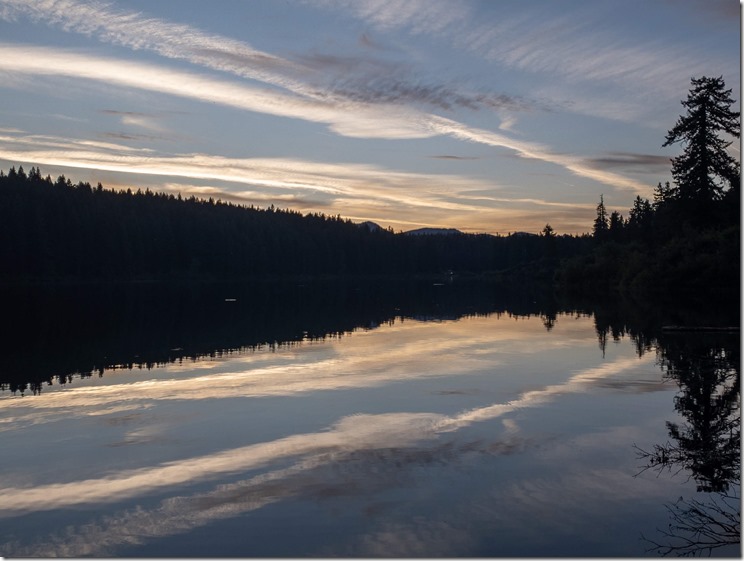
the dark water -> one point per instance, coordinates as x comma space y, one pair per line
364, 419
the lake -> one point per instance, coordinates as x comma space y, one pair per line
432, 418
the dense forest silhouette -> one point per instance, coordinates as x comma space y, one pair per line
687, 241
684, 243
59, 231
56, 231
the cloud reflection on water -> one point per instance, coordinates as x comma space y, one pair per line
360, 453
408, 350
354, 432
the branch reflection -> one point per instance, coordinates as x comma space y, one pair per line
706, 447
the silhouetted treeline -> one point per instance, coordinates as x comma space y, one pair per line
55, 230
687, 241
60, 231
661, 249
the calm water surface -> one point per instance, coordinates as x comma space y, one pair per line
439, 434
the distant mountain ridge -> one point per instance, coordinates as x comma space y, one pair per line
432, 232
374, 227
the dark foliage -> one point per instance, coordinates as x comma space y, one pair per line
705, 169
686, 243
57, 231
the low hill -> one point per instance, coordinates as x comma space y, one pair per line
432, 232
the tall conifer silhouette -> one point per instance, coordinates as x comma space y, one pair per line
705, 169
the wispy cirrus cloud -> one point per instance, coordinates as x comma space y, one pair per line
651, 70
311, 76
573, 48
131, 136
301, 184
18, 141
574, 164
347, 119
353, 96
131, 29
368, 80
359, 191
419, 16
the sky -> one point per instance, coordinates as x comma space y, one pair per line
486, 116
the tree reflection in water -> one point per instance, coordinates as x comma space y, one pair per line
707, 446
62, 333
125, 326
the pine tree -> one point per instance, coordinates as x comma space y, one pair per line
662, 194
617, 225
548, 231
601, 223
640, 217
704, 169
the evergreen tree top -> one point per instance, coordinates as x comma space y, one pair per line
705, 168
708, 108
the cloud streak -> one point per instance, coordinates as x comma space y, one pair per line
570, 48
360, 191
418, 16
367, 105
351, 78
130, 29
644, 163
372, 81
359, 120
354, 96
529, 150
354, 121
336, 180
